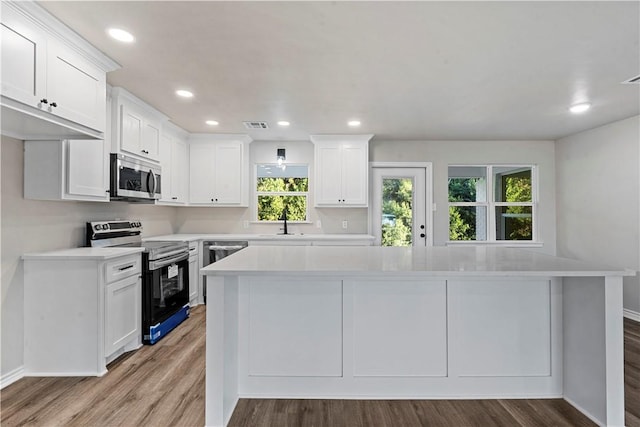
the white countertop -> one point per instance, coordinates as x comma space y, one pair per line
83, 254
425, 261
261, 237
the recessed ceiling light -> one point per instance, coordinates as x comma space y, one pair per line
283, 123
353, 123
184, 93
580, 108
212, 123
121, 35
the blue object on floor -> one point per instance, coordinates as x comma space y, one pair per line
158, 331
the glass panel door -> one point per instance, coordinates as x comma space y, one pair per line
398, 207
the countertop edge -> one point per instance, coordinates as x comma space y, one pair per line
77, 254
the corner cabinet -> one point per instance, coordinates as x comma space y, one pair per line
174, 159
219, 170
66, 170
136, 127
53, 82
341, 170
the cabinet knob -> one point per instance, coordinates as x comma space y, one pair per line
107, 191
422, 234
145, 151
53, 104
44, 101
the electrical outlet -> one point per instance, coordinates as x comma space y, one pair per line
345, 224
245, 224
318, 224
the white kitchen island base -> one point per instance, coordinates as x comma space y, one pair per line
401, 323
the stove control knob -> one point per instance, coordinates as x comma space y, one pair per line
97, 227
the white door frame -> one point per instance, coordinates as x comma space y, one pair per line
428, 185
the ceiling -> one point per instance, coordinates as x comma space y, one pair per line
406, 70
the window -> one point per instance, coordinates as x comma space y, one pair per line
492, 203
280, 186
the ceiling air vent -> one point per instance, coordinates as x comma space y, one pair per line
632, 80
256, 125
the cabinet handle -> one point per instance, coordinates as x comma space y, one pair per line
53, 104
145, 151
44, 101
126, 268
174, 198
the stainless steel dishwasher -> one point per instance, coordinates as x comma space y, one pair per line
215, 250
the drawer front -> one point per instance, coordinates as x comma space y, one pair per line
122, 267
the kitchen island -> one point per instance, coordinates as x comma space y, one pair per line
413, 323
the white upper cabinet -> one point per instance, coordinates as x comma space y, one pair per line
24, 55
53, 82
341, 170
136, 126
76, 89
174, 160
218, 170
66, 170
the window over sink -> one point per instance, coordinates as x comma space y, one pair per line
280, 186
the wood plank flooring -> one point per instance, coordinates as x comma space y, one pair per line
163, 385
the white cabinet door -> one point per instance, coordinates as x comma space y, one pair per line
167, 168
216, 173
341, 171
131, 124
150, 141
76, 90
328, 175
88, 169
179, 170
201, 175
137, 127
193, 280
23, 59
228, 173
354, 174
122, 313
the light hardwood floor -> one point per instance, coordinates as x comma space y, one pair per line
163, 385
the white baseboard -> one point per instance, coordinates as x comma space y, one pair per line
11, 377
630, 314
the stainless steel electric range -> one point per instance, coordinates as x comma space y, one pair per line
165, 275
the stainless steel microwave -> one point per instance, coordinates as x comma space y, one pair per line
134, 180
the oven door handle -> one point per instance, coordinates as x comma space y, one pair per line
154, 265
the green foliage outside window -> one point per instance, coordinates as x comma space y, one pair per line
397, 196
271, 206
462, 219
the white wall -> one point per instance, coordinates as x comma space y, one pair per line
32, 226
598, 199
444, 153
230, 220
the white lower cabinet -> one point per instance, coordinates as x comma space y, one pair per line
122, 313
79, 314
194, 273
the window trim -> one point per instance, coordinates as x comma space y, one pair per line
490, 204
257, 194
